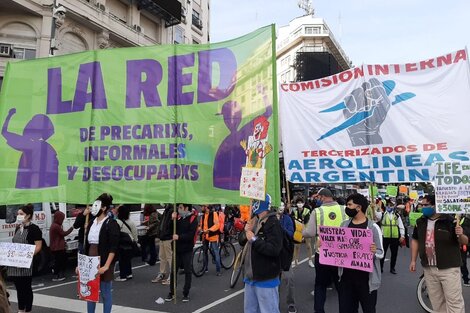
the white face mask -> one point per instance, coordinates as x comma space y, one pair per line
96, 207
20, 218
300, 205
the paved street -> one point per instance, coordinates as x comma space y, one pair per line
212, 294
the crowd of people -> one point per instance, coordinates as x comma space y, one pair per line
438, 239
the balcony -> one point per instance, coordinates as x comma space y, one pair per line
169, 10
197, 22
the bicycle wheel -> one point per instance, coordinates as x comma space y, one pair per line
198, 267
237, 270
423, 297
227, 255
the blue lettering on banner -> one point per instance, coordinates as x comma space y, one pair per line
397, 168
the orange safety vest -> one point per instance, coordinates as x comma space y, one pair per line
213, 234
245, 211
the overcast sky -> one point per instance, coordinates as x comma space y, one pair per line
369, 31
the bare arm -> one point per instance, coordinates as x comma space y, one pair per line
414, 254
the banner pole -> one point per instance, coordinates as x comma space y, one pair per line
174, 253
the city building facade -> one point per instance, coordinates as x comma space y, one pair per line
40, 28
306, 49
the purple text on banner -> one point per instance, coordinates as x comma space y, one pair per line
346, 247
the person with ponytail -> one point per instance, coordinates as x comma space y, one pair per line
102, 239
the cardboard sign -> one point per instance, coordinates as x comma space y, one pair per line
392, 191
346, 247
413, 217
413, 194
253, 183
403, 189
364, 192
16, 254
88, 278
452, 187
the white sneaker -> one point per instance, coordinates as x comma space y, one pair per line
311, 263
120, 279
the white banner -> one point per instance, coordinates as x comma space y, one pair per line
16, 254
377, 123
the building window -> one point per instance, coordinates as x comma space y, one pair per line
312, 30
195, 42
24, 54
196, 19
179, 35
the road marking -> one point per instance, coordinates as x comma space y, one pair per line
73, 305
221, 300
75, 281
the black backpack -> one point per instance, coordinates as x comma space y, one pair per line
287, 251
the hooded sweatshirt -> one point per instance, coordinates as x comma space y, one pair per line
57, 233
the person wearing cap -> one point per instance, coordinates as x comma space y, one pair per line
330, 213
262, 241
287, 277
301, 214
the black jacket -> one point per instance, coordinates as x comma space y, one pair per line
108, 239
166, 225
80, 223
265, 250
447, 246
186, 230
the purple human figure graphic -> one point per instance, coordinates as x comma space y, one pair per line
231, 157
38, 166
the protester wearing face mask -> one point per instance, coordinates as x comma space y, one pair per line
393, 232
357, 286
25, 233
437, 239
330, 213
465, 223
301, 213
102, 239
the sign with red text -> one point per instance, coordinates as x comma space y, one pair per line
346, 247
253, 183
88, 278
383, 123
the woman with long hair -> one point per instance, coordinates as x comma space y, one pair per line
25, 233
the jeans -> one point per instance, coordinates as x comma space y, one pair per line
288, 278
182, 259
261, 300
24, 292
125, 263
214, 247
106, 295
324, 276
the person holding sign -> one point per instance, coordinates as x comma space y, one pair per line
102, 240
25, 233
437, 239
356, 286
393, 232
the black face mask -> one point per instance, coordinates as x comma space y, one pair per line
350, 212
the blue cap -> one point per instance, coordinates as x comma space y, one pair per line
261, 206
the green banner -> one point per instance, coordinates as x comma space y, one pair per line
172, 123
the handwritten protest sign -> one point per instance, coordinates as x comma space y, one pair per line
88, 278
392, 191
413, 217
413, 194
346, 247
364, 192
16, 254
253, 183
452, 187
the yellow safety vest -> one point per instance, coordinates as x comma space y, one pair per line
390, 227
330, 215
